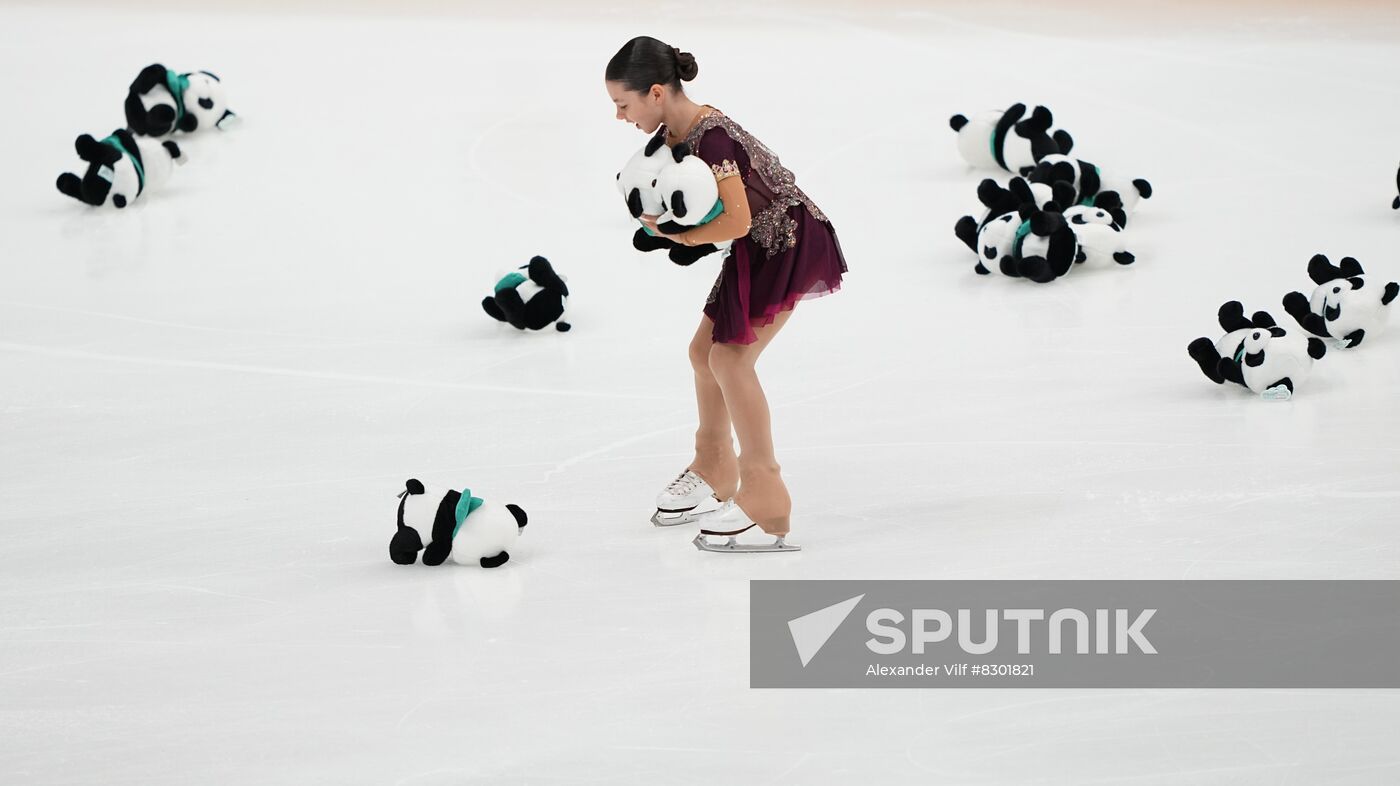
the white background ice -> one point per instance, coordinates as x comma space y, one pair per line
210, 399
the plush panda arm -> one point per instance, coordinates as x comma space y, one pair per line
732, 224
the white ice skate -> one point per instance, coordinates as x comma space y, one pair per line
684, 500
729, 522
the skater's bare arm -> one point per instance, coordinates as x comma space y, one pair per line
732, 224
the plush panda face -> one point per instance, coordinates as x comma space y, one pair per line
1081, 215
637, 180
205, 100
975, 137
996, 239
688, 190
1328, 300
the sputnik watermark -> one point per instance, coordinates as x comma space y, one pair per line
1074, 634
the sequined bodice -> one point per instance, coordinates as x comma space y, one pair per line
771, 226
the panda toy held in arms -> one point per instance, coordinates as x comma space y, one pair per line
690, 198
1344, 307
161, 101
457, 526
1256, 354
637, 182
120, 168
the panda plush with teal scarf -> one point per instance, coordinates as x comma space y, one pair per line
120, 168
689, 197
531, 297
161, 102
449, 524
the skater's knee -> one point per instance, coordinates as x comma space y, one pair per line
728, 361
700, 355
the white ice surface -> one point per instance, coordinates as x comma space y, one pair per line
210, 399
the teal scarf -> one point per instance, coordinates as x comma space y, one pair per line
711, 216
510, 281
113, 141
465, 506
1021, 232
177, 84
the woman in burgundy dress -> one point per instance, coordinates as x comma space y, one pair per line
784, 250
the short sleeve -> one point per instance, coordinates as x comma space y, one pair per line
725, 156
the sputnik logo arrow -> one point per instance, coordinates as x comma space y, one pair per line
810, 632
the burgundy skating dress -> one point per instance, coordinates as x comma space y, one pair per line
791, 252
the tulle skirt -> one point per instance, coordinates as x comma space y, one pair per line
753, 289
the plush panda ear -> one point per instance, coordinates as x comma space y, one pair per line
413, 486
989, 192
957, 122
654, 144
1021, 190
679, 152
1321, 270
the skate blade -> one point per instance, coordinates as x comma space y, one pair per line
731, 546
666, 518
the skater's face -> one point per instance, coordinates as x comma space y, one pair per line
643, 110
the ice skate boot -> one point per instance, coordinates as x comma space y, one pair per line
684, 500
728, 523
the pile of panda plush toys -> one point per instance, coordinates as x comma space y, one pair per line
676, 186
1055, 212
1256, 353
130, 161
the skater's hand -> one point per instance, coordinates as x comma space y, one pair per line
650, 222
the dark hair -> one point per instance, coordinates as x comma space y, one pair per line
645, 61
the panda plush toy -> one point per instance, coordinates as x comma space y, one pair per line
1345, 306
1256, 353
161, 102
637, 183
1026, 240
999, 201
1091, 186
1101, 238
532, 299
689, 198
120, 168
1013, 139
447, 524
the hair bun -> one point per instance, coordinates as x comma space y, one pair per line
686, 67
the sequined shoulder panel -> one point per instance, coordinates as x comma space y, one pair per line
771, 228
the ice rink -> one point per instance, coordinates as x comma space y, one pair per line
211, 398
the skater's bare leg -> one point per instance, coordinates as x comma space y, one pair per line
715, 461
762, 493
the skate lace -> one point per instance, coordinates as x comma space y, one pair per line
684, 484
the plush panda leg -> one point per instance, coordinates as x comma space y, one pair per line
496, 561
1281, 390
543, 309
492, 310
510, 304
1230, 370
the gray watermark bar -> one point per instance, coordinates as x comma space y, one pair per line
1074, 634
